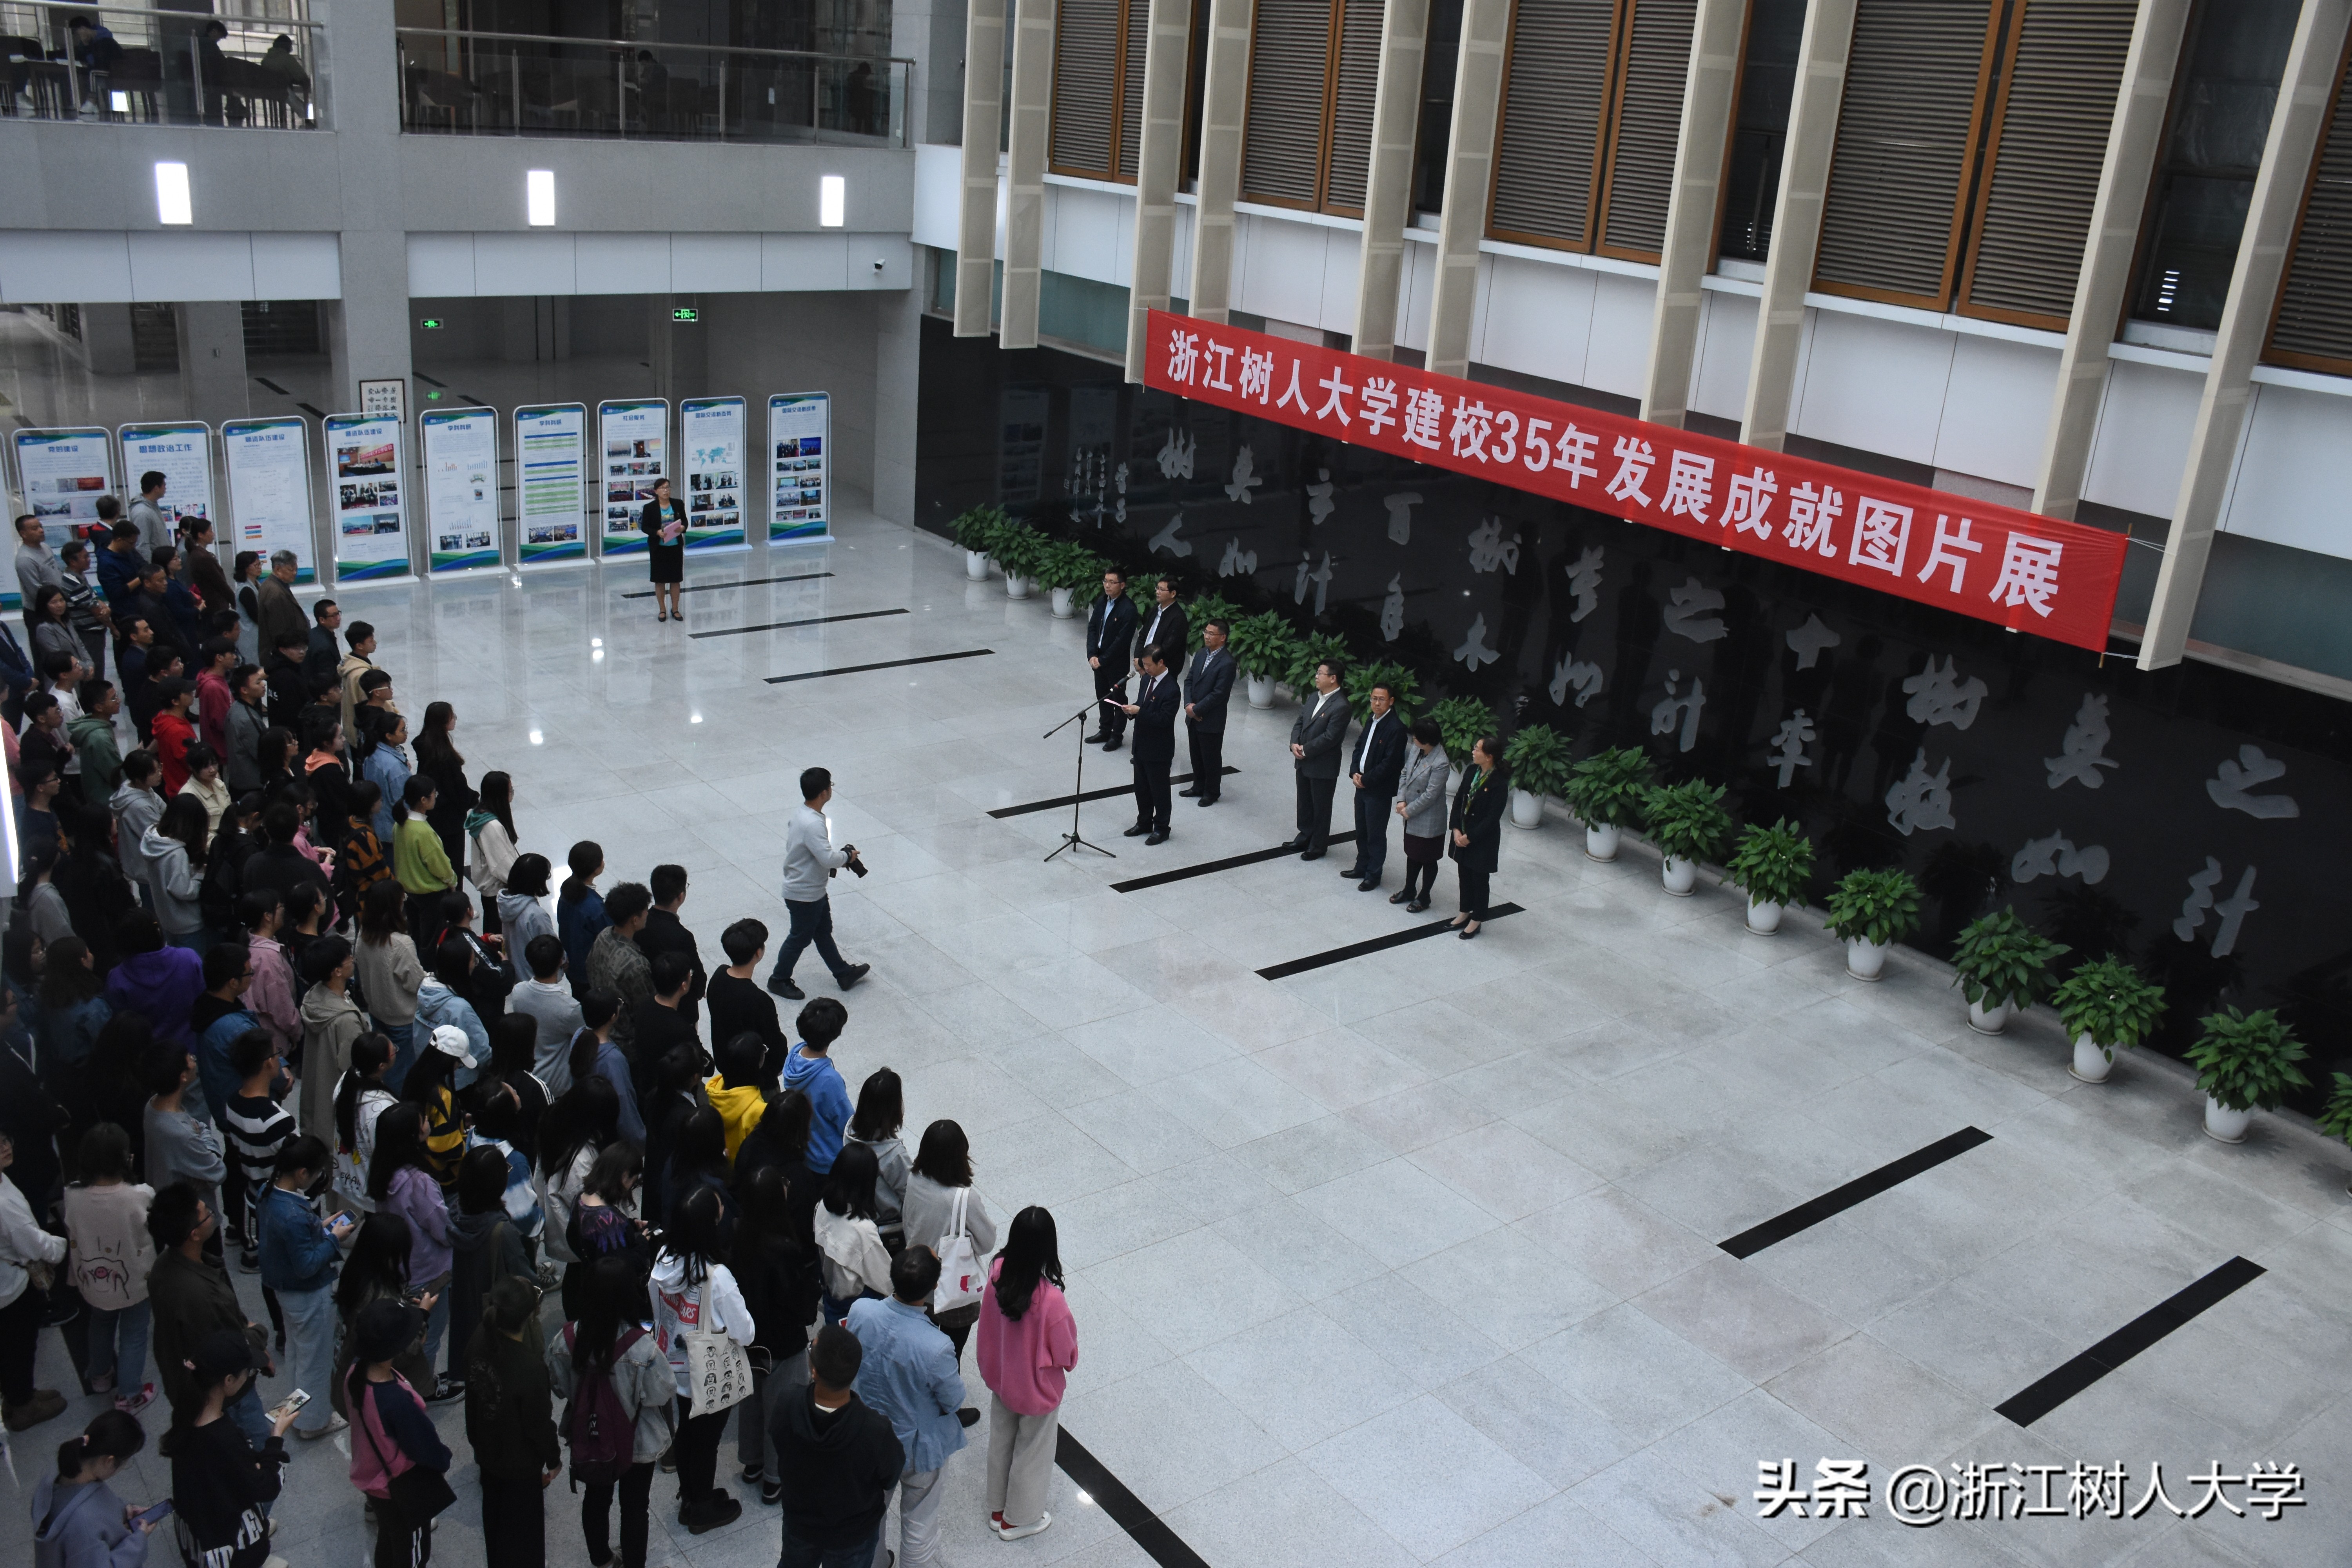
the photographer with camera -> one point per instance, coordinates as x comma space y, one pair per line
810, 860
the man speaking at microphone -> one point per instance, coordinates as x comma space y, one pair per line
1154, 713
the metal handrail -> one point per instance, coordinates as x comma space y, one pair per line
247, 24
634, 44
93, 7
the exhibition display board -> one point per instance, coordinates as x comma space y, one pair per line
180, 450
61, 473
800, 440
634, 433
461, 486
365, 484
550, 447
711, 446
269, 466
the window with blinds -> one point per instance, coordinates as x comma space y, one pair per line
2064, 65
1592, 104
1307, 139
1907, 130
1134, 39
2312, 329
1089, 37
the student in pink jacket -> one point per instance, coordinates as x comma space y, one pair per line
1027, 1343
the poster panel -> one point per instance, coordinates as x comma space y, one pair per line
711, 451
366, 484
800, 447
182, 451
269, 464
461, 486
551, 444
62, 473
634, 433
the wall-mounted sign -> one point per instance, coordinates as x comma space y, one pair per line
2037, 574
385, 398
799, 454
686, 313
461, 486
551, 446
710, 451
635, 433
367, 496
268, 463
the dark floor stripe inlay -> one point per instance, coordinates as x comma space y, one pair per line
1837, 1200
2032, 1404
885, 663
737, 583
1210, 868
1090, 794
1379, 944
1126, 1511
787, 626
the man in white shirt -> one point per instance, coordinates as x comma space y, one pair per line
810, 861
1316, 739
1375, 762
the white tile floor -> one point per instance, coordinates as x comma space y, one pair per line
1408, 1259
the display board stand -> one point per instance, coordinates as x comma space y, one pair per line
367, 498
633, 443
461, 490
799, 465
711, 449
551, 478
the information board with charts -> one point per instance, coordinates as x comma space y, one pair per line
551, 474
800, 454
710, 452
461, 486
61, 473
182, 451
633, 435
268, 464
367, 496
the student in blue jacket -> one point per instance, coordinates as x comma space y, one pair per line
78, 1521
299, 1255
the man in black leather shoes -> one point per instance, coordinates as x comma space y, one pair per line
1110, 631
1207, 688
1315, 739
1376, 759
1154, 713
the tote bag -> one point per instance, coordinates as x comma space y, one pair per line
718, 1373
961, 1278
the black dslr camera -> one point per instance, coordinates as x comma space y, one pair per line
854, 863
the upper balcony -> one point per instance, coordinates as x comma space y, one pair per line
523, 84
140, 66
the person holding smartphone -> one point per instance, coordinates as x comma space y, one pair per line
298, 1255
222, 1486
78, 1521
664, 522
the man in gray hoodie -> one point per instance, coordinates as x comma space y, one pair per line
137, 807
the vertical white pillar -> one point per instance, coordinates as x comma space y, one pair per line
1166, 52
1687, 251
1388, 180
1469, 181
1024, 197
1224, 103
983, 109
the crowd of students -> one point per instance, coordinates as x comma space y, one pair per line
533, 1157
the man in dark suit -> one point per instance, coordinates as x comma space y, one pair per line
1207, 688
1110, 627
665, 932
1154, 713
1315, 744
1378, 758
1161, 624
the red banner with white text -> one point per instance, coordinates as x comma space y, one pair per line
2037, 574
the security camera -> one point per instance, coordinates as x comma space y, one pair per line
877, 264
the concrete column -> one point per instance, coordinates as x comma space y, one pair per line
1469, 181
680, 351
898, 386
367, 329
1388, 180
212, 360
1224, 103
1025, 200
106, 340
2141, 100
1165, 55
931, 33
1688, 252
983, 109
2305, 89
1797, 219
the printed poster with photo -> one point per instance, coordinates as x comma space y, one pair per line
550, 480
182, 451
710, 449
367, 496
799, 452
633, 437
461, 486
268, 464
61, 473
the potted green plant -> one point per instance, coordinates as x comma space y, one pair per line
1262, 646
1605, 790
1072, 573
1404, 688
2336, 1118
2003, 967
1687, 823
975, 531
1309, 651
1537, 755
1461, 723
2245, 1062
1772, 866
2106, 1005
1869, 911
1020, 550
1201, 611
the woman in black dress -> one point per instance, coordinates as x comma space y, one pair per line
437, 758
663, 522
1477, 829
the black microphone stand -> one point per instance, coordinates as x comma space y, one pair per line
1071, 840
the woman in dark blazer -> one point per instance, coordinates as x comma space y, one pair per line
1476, 828
664, 522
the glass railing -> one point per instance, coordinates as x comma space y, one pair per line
135, 65
523, 84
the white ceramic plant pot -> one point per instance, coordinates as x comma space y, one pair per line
1987, 1020
1062, 606
975, 565
2092, 1064
1679, 877
2224, 1124
1261, 691
1015, 585
1763, 916
1526, 808
1601, 840
1865, 959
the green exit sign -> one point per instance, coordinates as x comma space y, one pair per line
686, 313
431, 324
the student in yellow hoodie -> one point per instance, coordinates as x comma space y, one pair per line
738, 1091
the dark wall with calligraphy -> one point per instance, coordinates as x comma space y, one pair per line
2194, 819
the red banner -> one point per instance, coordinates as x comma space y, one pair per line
2029, 574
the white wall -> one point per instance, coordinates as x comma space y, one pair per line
455, 266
